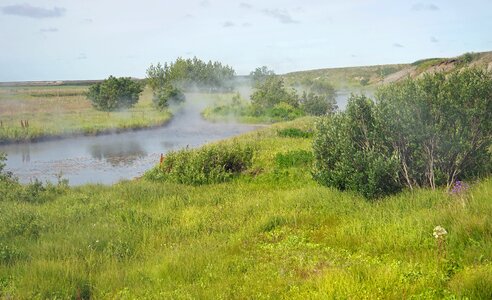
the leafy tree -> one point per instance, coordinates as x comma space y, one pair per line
167, 95
114, 93
186, 73
260, 75
271, 93
157, 76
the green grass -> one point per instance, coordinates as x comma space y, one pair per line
272, 232
55, 111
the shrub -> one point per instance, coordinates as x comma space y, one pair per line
114, 93
209, 164
318, 105
421, 133
284, 112
348, 153
271, 93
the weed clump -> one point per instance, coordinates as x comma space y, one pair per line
210, 164
294, 133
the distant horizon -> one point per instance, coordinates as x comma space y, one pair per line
241, 75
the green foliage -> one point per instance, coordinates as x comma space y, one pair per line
294, 158
350, 154
114, 93
318, 104
271, 93
260, 75
283, 112
266, 234
210, 164
467, 58
167, 95
421, 133
294, 133
440, 126
424, 63
191, 73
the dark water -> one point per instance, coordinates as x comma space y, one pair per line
110, 158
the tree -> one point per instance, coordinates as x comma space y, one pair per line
272, 92
114, 93
260, 75
167, 95
195, 73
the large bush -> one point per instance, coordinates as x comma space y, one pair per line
350, 153
115, 93
209, 164
423, 132
272, 92
318, 104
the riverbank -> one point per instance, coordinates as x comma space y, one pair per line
31, 114
272, 232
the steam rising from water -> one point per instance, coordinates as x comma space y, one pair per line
110, 158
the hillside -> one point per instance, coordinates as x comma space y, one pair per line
370, 76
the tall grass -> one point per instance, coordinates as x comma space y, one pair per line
273, 233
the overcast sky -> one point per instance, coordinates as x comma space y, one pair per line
92, 39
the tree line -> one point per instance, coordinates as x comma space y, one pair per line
168, 83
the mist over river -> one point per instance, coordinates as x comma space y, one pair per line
108, 159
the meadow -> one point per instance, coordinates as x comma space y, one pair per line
270, 233
29, 113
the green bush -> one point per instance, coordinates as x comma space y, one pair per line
349, 154
318, 104
422, 132
284, 112
209, 164
271, 93
115, 93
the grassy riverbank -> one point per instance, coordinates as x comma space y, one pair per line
272, 232
57, 111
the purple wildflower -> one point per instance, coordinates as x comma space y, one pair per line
459, 187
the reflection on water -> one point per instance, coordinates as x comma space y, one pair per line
118, 153
26, 153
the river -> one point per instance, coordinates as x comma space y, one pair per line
107, 159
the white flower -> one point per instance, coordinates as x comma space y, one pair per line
439, 232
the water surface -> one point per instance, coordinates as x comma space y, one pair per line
108, 159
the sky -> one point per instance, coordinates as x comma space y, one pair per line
92, 39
